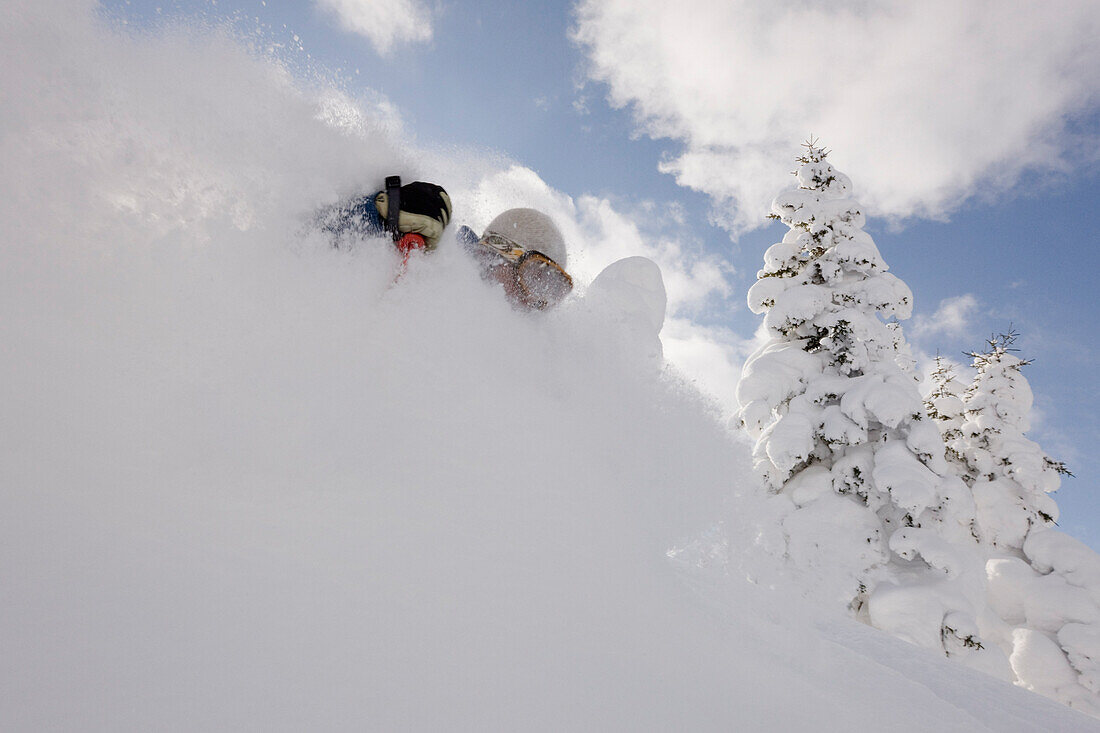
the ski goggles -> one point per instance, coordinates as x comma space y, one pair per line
539, 280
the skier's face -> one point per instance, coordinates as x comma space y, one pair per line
505, 274
529, 278
533, 283
542, 281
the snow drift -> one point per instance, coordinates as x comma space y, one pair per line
250, 483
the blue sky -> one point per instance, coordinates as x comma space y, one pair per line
979, 161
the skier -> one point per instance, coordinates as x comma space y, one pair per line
521, 249
524, 252
415, 215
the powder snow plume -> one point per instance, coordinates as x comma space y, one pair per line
250, 483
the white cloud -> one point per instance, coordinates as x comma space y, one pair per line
925, 103
952, 318
385, 23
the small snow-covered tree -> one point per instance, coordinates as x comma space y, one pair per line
944, 404
1010, 476
840, 430
1043, 587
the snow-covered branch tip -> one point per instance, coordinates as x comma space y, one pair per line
999, 345
815, 153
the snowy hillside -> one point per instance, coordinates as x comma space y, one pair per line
249, 483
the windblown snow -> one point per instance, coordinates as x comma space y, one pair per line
252, 483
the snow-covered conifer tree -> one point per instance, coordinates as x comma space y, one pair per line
944, 404
840, 431
1009, 474
950, 550
1043, 586
1042, 605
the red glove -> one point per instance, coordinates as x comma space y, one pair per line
408, 244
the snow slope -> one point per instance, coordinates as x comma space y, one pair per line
249, 484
